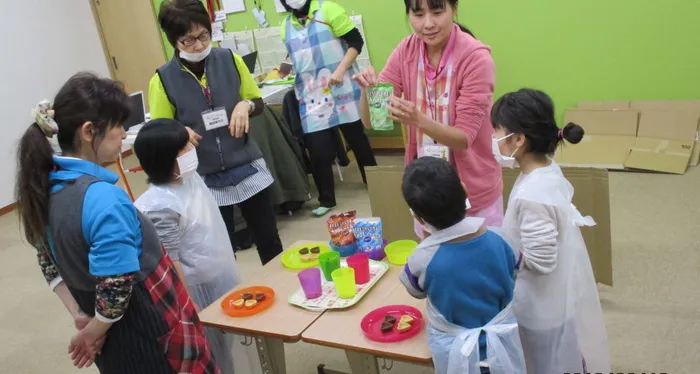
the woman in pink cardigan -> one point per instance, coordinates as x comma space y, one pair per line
447, 78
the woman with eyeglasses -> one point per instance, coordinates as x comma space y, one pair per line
211, 91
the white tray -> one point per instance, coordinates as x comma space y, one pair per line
330, 299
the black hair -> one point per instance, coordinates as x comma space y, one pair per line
414, 6
531, 113
85, 97
299, 13
176, 18
157, 146
433, 190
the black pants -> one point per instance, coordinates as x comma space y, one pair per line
323, 153
259, 215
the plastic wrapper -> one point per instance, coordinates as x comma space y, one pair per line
340, 228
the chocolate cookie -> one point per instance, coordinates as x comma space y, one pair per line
387, 327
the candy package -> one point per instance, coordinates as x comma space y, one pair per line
378, 100
340, 228
369, 237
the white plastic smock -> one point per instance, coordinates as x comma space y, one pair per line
205, 248
558, 311
455, 349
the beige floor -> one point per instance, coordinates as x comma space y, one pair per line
652, 313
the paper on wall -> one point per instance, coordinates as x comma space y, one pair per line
217, 31
233, 6
272, 50
279, 7
363, 59
220, 15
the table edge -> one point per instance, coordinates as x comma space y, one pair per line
393, 356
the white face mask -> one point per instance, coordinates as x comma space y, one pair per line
296, 4
430, 228
188, 163
195, 57
505, 161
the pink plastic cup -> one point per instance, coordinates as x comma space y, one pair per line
310, 280
360, 262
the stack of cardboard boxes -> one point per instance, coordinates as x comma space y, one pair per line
660, 136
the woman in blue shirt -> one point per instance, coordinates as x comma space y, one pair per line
99, 255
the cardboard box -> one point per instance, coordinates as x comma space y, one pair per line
682, 105
591, 197
665, 141
604, 105
609, 136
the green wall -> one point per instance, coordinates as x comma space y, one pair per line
574, 50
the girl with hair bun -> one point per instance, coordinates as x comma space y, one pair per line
555, 301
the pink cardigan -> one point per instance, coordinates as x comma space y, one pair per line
470, 111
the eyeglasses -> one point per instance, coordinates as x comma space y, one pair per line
190, 41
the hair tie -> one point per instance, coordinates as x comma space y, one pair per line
43, 116
560, 134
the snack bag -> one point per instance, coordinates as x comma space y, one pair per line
340, 228
368, 235
378, 101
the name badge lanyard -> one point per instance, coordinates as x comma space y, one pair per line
207, 95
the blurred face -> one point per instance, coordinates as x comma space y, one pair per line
513, 143
195, 41
433, 26
101, 149
184, 150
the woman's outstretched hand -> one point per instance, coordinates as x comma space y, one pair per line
367, 78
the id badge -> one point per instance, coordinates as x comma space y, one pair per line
215, 118
439, 151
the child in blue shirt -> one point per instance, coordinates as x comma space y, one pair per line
464, 270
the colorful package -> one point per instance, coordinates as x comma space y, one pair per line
340, 228
378, 101
368, 236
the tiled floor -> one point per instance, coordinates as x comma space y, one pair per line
652, 313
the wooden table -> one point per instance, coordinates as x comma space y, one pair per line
270, 329
341, 329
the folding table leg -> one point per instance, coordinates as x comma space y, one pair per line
362, 363
271, 353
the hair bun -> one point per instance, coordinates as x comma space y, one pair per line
572, 133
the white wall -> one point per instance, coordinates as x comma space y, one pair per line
44, 42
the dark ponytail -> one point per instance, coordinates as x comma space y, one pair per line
572, 133
85, 97
465, 29
34, 162
531, 113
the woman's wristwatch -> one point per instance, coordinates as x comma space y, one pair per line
252, 106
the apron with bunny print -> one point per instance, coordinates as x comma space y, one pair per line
315, 54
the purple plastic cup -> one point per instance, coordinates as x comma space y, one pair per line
310, 280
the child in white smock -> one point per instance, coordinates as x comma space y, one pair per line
555, 300
466, 273
188, 222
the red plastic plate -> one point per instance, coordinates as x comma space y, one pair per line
371, 324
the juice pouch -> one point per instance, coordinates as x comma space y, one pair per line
340, 228
368, 235
378, 102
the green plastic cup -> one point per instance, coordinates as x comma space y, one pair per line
344, 279
329, 262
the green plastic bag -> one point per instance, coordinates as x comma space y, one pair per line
378, 101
